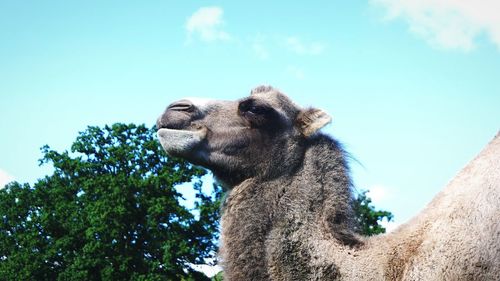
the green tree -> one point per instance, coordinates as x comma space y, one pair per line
108, 212
367, 217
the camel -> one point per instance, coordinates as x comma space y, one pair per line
288, 215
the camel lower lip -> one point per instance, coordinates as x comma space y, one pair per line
172, 129
176, 141
166, 131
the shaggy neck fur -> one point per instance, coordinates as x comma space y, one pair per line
273, 219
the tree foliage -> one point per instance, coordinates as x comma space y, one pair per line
368, 218
108, 212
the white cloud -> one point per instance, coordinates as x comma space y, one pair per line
208, 270
207, 23
389, 225
295, 72
297, 46
5, 178
379, 193
451, 24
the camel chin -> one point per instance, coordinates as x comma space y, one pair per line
180, 142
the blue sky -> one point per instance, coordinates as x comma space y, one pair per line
413, 86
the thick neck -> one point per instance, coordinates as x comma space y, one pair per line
312, 203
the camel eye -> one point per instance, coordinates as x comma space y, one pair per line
250, 107
259, 110
259, 115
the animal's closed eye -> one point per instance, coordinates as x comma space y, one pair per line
258, 114
258, 110
250, 107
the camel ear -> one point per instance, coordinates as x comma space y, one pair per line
309, 121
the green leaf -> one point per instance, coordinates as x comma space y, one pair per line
368, 218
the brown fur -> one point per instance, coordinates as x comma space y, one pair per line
288, 214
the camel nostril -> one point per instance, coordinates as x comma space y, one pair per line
182, 105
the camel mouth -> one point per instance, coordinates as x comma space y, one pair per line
178, 142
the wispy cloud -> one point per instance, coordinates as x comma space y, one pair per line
259, 48
260, 51
448, 24
300, 47
5, 178
295, 72
207, 24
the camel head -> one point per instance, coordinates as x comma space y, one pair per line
240, 139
